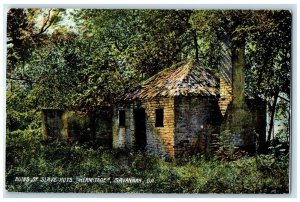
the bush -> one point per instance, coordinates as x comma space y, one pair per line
28, 156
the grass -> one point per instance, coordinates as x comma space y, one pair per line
28, 156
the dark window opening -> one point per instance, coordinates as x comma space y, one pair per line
122, 118
159, 117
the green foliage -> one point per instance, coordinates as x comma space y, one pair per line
144, 40
21, 108
108, 53
28, 156
111, 51
27, 29
265, 36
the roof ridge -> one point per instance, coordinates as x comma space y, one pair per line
186, 71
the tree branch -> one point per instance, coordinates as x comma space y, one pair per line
283, 98
43, 29
10, 42
20, 79
48, 23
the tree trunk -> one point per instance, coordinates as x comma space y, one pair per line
271, 123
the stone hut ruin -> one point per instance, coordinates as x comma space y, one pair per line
170, 113
180, 110
183, 109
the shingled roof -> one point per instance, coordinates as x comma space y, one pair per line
186, 78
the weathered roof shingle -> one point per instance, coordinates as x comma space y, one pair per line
183, 79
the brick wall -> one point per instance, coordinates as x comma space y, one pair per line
196, 118
188, 125
160, 140
225, 95
225, 68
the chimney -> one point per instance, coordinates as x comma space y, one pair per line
232, 80
238, 77
225, 69
236, 127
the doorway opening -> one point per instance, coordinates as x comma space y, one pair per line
140, 129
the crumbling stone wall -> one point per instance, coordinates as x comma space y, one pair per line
196, 119
123, 136
258, 108
52, 124
78, 126
102, 122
